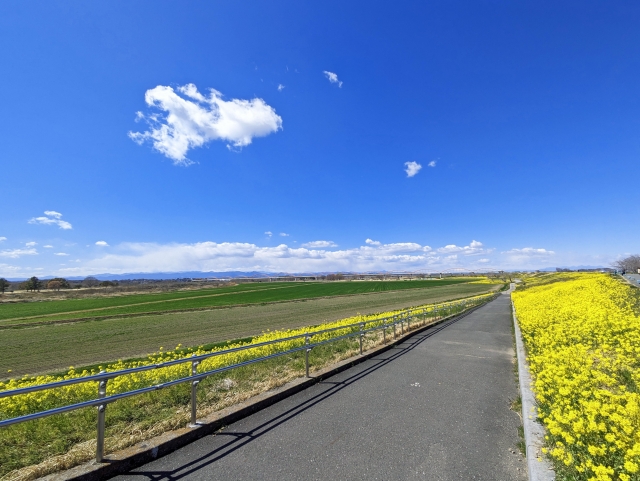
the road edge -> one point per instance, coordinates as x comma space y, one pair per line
538, 466
145, 452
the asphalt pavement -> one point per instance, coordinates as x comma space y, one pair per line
435, 407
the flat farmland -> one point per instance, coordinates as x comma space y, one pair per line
39, 348
244, 294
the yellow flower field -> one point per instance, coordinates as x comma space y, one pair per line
582, 335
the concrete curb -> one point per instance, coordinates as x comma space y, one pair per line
147, 451
538, 465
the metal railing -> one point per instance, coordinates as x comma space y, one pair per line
359, 329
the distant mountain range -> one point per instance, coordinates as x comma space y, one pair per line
573, 268
166, 275
228, 274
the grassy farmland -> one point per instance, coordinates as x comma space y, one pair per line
36, 348
29, 312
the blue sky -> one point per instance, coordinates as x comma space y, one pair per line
519, 122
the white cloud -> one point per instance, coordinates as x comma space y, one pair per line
484, 260
15, 253
52, 217
191, 120
48, 247
372, 242
3, 239
284, 234
474, 248
268, 233
412, 168
102, 244
320, 244
528, 252
31, 244
280, 87
228, 256
60, 254
432, 163
4, 268
333, 78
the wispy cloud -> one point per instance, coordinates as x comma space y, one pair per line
52, 218
333, 78
15, 253
31, 244
412, 168
280, 87
189, 119
529, 251
48, 247
372, 242
320, 244
432, 163
283, 234
268, 233
3, 239
60, 254
102, 244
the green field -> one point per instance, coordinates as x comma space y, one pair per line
52, 347
200, 299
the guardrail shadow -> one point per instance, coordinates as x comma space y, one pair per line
241, 439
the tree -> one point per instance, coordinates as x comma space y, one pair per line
54, 285
64, 284
108, 284
90, 282
4, 284
34, 284
628, 264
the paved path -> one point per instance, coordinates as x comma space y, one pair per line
633, 279
434, 408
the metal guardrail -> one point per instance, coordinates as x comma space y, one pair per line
103, 377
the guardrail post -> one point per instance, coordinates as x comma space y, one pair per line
194, 394
402, 324
384, 332
307, 340
361, 336
102, 392
395, 321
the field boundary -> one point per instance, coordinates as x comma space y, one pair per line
166, 443
538, 466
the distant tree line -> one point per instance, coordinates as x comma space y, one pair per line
34, 284
335, 277
628, 264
